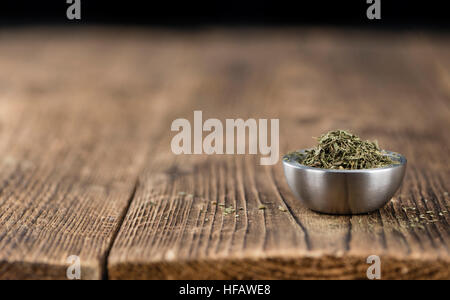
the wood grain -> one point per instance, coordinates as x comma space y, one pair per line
385, 87
76, 121
86, 167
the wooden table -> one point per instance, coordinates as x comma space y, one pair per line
86, 167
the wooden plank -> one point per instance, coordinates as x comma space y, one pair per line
382, 86
83, 112
76, 122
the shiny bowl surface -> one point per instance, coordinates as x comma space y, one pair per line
344, 191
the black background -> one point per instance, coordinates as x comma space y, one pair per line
395, 13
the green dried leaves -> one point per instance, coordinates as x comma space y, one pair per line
341, 149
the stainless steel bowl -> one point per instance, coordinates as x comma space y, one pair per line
344, 191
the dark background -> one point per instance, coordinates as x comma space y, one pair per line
395, 13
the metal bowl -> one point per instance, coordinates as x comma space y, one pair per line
344, 191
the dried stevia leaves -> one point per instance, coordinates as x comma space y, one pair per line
340, 149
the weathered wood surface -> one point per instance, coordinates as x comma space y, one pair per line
85, 121
74, 133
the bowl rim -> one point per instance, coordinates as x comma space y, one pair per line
287, 160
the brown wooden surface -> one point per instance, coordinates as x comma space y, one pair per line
86, 167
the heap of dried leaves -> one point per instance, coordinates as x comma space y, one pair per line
341, 149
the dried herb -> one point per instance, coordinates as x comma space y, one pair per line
341, 149
281, 208
229, 210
